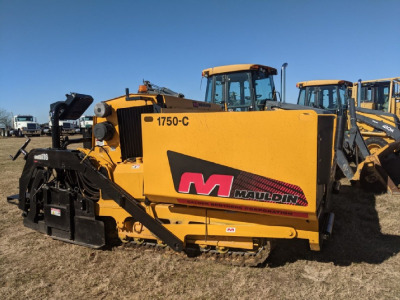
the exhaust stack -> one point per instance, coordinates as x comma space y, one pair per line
329, 226
283, 82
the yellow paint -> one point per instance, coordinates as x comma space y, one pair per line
365, 129
323, 82
393, 94
281, 145
235, 68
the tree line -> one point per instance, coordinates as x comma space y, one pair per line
5, 118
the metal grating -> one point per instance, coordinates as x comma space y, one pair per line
130, 130
31, 126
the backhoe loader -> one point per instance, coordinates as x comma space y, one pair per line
377, 129
171, 173
381, 97
251, 88
379, 94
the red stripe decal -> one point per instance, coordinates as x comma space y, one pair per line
259, 210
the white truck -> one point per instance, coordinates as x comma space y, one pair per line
4, 130
66, 127
25, 125
85, 122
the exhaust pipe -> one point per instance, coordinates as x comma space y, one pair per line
359, 93
329, 226
55, 109
283, 82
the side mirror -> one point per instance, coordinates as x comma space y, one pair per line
279, 94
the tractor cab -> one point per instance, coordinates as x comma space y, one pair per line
330, 95
381, 94
244, 87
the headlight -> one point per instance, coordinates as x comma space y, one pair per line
103, 131
102, 110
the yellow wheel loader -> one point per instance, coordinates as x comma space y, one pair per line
165, 171
383, 97
379, 94
377, 129
251, 88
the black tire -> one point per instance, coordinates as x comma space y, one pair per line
111, 232
375, 143
370, 183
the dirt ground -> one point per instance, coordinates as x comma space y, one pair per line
361, 261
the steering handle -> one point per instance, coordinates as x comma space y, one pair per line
21, 150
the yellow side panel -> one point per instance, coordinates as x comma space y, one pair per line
129, 176
276, 148
368, 105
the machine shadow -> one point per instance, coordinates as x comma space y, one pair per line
356, 236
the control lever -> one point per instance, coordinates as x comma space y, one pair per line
21, 150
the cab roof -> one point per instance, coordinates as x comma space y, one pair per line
323, 82
396, 79
237, 68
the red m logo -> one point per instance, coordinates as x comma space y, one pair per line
224, 183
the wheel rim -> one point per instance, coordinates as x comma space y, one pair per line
373, 148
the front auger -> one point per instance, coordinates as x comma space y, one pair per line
59, 189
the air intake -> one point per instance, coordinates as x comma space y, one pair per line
130, 130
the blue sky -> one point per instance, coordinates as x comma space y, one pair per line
52, 47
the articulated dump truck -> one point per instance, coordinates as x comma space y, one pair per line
184, 175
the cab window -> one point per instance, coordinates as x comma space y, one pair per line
209, 89
239, 95
343, 95
302, 97
219, 90
263, 87
329, 97
378, 93
311, 97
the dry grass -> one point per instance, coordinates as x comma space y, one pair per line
361, 261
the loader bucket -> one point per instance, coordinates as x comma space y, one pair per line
380, 171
